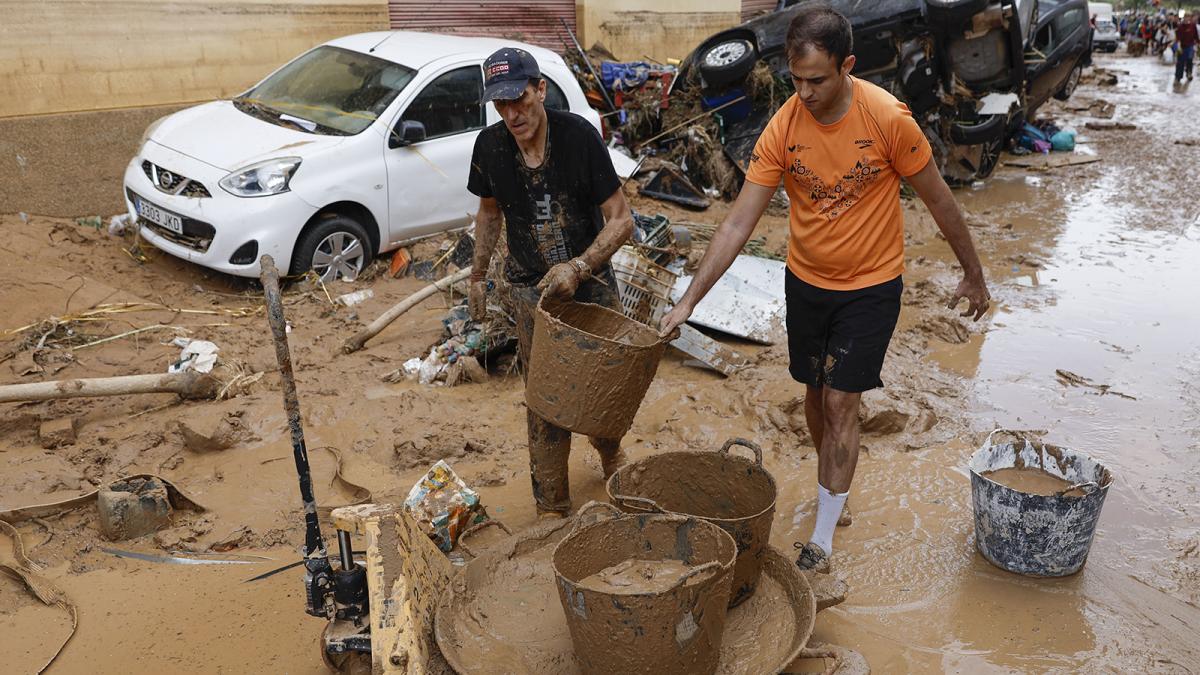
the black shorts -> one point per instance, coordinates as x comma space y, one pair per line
839, 338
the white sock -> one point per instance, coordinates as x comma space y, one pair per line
829, 507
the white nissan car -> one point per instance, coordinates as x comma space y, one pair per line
351, 149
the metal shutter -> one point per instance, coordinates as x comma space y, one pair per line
752, 8
532, 21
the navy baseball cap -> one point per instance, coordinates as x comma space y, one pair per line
506, 72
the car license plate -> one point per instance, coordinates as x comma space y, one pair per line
159, 216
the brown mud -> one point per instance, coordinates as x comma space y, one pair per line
637, 576
1091, 268
1030, 481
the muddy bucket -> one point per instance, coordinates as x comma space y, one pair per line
1042, 535
666, 616
589, 367
734, 493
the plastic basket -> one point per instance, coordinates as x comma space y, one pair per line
644, 287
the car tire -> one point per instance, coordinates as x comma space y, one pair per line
1072, 82
334, 247
991, 128
727, 61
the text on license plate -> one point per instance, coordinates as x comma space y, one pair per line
156, 215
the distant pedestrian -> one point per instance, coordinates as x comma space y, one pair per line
1186, 35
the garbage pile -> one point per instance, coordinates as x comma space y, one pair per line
657, 114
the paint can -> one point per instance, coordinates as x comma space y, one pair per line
589, 367
633, 630
734, 493
1030, 534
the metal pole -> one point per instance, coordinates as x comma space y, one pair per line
587, 62
314, 545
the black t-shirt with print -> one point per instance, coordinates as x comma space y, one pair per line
552, 213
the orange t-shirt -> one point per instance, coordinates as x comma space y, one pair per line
843, 180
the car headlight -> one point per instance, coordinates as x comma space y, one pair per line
264, 178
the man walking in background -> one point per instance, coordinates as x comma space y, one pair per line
840, 145
1185, 33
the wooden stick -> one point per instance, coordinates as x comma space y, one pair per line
189, 385
702, 115
359, 339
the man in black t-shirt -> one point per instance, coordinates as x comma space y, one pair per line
546, 175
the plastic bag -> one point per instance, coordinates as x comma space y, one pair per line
444, 505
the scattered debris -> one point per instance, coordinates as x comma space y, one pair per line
399, 264
747, 301
132, 508
230, 431
1109, 126
1068, 378
444, 506
174, 559
669, 184
188, 385
1189, 142
57, 433
197, 355
359, 339
1046, 162
709, 353
352, 299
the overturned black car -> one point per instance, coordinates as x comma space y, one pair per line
971, 71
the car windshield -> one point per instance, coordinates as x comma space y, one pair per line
328, 90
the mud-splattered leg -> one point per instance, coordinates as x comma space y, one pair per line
612, 457
549, 450
814, 415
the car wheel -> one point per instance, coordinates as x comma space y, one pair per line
727, 61
1072, 82
336, 247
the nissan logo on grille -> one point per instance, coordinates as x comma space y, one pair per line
166, 179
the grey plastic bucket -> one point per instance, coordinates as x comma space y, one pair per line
1036, 535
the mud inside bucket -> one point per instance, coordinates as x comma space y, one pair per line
624, 620
589, 367
1043, 535
734, 493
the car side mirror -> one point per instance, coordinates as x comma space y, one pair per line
407, 133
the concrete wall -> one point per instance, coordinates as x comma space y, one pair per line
660, 29
71, 55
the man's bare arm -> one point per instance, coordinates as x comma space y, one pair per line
618, 225
932, 190
727, 242
487, 232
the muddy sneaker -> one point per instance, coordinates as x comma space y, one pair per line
544, 516
846, 517
611, 463
812, 557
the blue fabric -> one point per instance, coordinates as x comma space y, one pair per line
624, 76
1063, 141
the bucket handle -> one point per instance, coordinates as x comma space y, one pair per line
700, 569
1079, 486
613, 512
1014, 435
745, 444
462, 543
638, 503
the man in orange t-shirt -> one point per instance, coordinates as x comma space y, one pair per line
840, 145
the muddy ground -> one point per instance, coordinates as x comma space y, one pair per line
1093, 271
